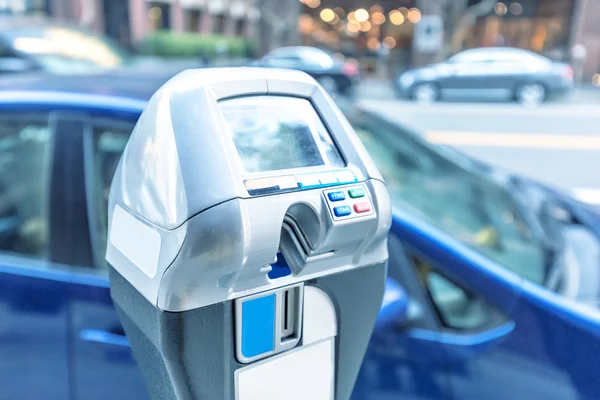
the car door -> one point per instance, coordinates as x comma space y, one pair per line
103, 364
398, 365
34, 307
473, 74
483, 266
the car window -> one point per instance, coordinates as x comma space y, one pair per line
464, 203
457, 308
285, 52
25, 167
469, 56
109, 139
317, 57
308, 56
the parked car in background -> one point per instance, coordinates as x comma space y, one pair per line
30, 44
493, 279
488, 73
334, 75
37, 44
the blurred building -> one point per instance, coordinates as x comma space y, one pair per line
227, 17
549, 27
415, 32
128, 21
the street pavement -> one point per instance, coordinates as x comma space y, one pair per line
557, 143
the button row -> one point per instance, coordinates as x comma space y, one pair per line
353, 193
359, 208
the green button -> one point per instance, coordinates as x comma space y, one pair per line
358, 192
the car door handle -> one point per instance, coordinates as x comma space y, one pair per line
99, 336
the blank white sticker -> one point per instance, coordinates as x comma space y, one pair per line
301, 374
135, 240
320, 320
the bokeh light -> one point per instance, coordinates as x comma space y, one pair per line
404, 11
389, 42
365, 26
373, 43
378, 18
351, 16
312, 3
353, 26
396, 17
327, 14
596, 80
361, 15
500, 8
516, 9
339, 11
305, 24
154, 13
414, 15
376, 8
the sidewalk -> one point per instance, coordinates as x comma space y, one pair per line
378, 89
586, 94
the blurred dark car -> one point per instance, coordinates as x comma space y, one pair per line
501, 274
488, 73
334, 75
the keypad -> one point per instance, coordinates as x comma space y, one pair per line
349, 202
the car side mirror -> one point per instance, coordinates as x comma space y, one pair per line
15, 64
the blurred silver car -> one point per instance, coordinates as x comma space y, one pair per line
488, 74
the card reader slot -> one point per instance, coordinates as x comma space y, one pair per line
290, 313
295, 245
297, 231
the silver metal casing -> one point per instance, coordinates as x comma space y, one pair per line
184, 228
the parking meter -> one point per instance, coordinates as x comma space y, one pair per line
247, 239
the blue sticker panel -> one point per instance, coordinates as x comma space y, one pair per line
280, 268
258, 326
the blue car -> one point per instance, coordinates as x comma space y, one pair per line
493, 282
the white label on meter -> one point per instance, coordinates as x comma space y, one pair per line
136, 241
300, 374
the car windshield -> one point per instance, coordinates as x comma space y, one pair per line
453, 196
66, 50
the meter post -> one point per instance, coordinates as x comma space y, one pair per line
247, 239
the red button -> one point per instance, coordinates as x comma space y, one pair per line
362, 207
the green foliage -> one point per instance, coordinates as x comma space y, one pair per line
187, 44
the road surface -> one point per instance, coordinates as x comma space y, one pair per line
558, 144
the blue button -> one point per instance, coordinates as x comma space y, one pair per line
336, 196
342, 211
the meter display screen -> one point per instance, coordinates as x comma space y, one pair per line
276, 132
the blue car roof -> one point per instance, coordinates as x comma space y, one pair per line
130, 84
112, 92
